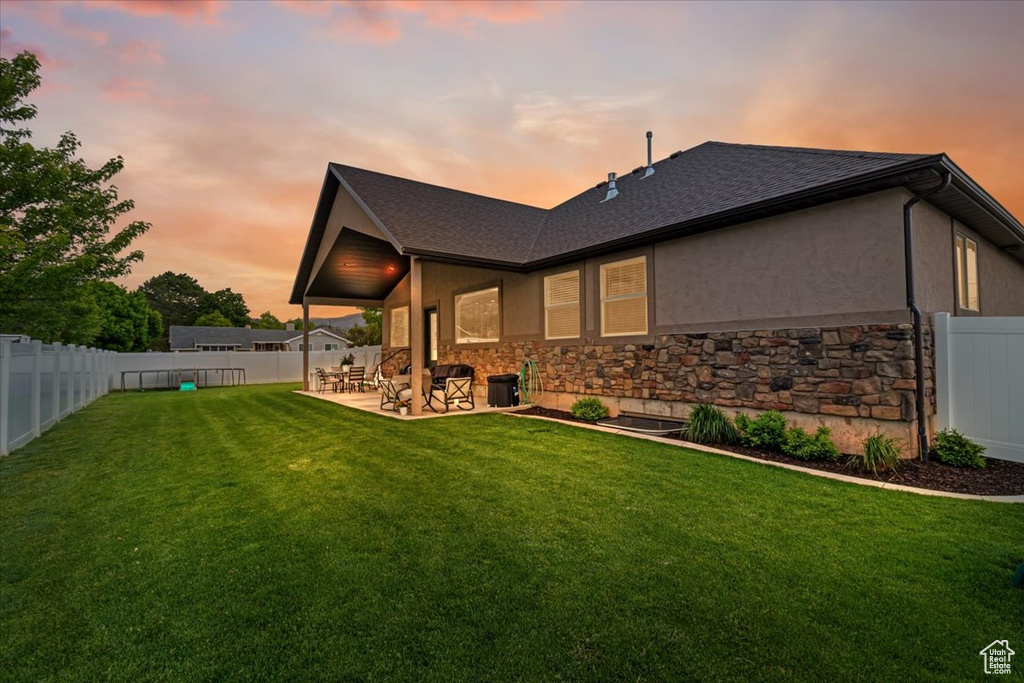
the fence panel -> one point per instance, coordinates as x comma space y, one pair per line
979, 381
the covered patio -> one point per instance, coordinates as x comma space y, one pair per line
369, 401
350, 259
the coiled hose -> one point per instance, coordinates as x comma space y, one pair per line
531, 388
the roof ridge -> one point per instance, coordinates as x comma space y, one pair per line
439, 187
819, 150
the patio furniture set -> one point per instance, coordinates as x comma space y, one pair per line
443, 386
347, 378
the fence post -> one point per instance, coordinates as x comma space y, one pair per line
5, 393
37, 386
943, 374
93, 383
57, 362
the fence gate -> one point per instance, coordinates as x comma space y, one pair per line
979, 381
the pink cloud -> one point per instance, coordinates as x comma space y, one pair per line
141, 52
50, 15
127, 89
10, 47
182, 10
377, 21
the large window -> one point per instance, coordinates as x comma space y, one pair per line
562, 305
400, 326
476, 316
624, 297
967, 273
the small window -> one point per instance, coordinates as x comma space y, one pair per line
301, 347
624, 297
967, 273
562, 305
332, 347
476, 316
400, 326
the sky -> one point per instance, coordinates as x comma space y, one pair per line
227, 113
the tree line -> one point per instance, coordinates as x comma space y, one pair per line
63, 241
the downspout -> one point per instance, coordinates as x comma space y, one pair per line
908, 255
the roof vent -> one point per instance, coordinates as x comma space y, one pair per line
650, 164
612, 192
673, 155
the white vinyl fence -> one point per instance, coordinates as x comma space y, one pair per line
979, 381
262, 367
40, 384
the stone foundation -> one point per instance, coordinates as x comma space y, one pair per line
859, 371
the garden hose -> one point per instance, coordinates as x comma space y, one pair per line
530, 386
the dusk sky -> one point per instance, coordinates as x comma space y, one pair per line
227, 113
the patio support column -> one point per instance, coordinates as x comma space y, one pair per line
416, 332
305, 346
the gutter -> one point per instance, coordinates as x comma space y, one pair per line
908, 255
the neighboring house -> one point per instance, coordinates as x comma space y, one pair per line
747, 276
193, 338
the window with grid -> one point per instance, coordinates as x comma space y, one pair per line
967, 273
476, 316
562, 305
400, 326
624, 297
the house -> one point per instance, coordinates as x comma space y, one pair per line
748, 276
997, 657
198, 338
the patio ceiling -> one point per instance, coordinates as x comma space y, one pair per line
358, 267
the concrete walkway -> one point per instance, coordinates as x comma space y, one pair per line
787, 466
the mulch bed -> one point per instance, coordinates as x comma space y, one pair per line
999, 478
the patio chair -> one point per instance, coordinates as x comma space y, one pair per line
323, 381
457, 391
356, 376
390, 394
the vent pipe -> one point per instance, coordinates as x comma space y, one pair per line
612, 192
650, 163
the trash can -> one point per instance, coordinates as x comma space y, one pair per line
503, 391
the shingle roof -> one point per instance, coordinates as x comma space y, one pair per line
702, 181
187, 336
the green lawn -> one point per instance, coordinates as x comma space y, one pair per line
254, 534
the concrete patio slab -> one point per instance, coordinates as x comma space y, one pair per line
369, 401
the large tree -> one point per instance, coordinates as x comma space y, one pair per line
267, 321
176, 296
229, 304
127, 321
213, 319
57, 222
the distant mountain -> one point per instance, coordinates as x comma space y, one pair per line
345, 322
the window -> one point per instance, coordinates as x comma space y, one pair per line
562, 305
302, 347
476, 316
214, 347
624, 297
967, 273
400, 326
332, 347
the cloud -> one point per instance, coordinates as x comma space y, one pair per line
376, 21
9, 47
182, 10
127, 89
141, 52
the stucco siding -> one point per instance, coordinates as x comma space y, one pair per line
1000, 278
934, 283
844, 258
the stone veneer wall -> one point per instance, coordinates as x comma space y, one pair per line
862, 371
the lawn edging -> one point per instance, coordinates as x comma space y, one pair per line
796, 468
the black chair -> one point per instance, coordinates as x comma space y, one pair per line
323, 381
457, 391
356, 376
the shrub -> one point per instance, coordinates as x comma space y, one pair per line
881, 453
589, 409
803, 446
767, 431
709, 425
953, 448
742, 422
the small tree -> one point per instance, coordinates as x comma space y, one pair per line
56, 222
267, 321
370, 332
127, 321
